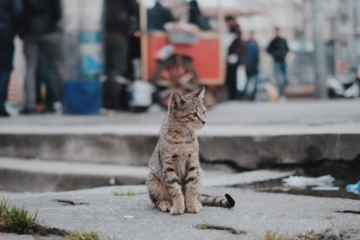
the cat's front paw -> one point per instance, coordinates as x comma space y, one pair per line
164, 206
177, 211
194, 208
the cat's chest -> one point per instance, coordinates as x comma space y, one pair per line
180, 138
185, 156
185, 153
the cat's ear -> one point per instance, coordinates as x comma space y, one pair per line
177, 101
200, 93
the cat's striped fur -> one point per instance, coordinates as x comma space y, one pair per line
175, 182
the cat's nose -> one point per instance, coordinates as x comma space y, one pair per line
203, 121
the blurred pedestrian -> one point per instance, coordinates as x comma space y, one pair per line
44, 76
158, 16
252, 63
278, 49
42, 33
196, 17
118, 27
235, 53
10, 23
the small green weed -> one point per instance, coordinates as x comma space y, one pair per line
203, 226
77, 235
121, 193
16, 220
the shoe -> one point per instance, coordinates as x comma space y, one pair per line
3, 112
28, 111
8, 108
58, 108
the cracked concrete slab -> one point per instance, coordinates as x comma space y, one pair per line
254, 213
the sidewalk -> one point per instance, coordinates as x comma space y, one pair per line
248, 135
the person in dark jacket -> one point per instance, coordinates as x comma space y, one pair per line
235, 54
252, 59
41, 33
196, 17
158, 16
10, 22
278, 49
118, 27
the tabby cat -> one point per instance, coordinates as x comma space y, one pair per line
175, 182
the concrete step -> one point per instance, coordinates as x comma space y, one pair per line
19, 175
242, 151
238, 134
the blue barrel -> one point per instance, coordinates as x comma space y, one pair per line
82, 97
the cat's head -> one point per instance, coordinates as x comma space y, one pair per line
188, 110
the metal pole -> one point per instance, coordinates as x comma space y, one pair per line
221, 20
144, 41
320, 67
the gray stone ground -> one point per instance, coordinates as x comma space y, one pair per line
254, 213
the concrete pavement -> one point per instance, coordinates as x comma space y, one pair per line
246, 135
254, 213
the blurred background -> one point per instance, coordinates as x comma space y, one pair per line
281, 76
311, 68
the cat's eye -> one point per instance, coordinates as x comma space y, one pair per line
194, 114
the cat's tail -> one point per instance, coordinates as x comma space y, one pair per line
218, 202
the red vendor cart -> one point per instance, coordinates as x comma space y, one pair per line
196, 61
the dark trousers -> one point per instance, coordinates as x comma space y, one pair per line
115, 94
4, 85
231, 80
6, 59
45, 75
280, 70
50, 44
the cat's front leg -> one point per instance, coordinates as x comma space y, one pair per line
192, 203
174, 185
